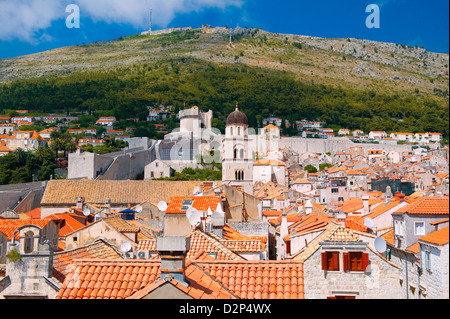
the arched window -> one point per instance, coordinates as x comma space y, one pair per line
29, 242
231, 130
235, 153
242, 153
239, 131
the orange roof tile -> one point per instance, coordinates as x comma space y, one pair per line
439, 237
8, 226
35, 213
201, 241
258, 279
427, 206
264, 162
99, 249
201, 203
389, 237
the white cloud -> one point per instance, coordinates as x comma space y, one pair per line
23, 19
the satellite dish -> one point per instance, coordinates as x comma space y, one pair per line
125, 247
368, 222
86, 212
214, 184
162, 206
191, 211
380, 244
138, 208
196, 189
195, 220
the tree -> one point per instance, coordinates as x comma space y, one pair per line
310, 169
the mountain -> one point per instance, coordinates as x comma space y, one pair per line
412, 76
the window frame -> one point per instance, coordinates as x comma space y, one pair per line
330, 260
415, 228
355, 261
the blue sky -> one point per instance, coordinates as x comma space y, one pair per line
30, 26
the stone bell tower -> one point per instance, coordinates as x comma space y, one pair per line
30, 274
238, 149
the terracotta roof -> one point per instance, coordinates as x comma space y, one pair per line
201, 241
35, 213
9, 226
123, 226
437, 222
389, 237
258, 279
5, 149
353, 224
107, 279
264, 162
72, 222
201, 286
333, 233
96, 191
201, 203
229, 233
147, 244
427, 206
99, 249
208, 278
381, 209
354, 204
439, 237
414, 248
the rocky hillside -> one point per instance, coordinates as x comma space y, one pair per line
348, 63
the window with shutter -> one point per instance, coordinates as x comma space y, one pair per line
330, 260
355, 261
335, 260
346, 261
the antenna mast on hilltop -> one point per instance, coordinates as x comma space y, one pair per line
151, 13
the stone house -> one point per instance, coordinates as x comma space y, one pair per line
176, 221
337, 264
411, 223
30, 277
157, 169
114, 229
9, 232
434, 262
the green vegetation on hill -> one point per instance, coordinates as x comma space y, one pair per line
126, 92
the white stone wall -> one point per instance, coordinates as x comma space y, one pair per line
436, 279
381, 282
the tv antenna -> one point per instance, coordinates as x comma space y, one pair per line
138, 208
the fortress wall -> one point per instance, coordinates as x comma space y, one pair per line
86, 165
334, 145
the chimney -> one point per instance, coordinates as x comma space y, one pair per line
80, 203
399, 196
308, 207
341, 216
173, 250
108, 205
388, 194
366, 207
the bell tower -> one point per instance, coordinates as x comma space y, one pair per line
237, 164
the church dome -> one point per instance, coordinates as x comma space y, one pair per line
237, 117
